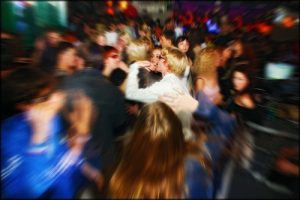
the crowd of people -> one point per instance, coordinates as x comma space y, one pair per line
128, 108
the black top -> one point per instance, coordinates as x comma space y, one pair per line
245, 114
109, 102
48, 59
118, 76
147, 78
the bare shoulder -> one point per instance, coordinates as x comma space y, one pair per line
247, 102
198, 83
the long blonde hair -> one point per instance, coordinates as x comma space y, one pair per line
206, 62
152, 165
137, 50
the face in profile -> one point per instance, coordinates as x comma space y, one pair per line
53, 38
240, 81
113, 60
69, 56
184, 46
101, 40
155, 56
227, 53
162, 65
164, 41
237, 48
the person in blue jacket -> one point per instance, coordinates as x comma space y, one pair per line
39, 158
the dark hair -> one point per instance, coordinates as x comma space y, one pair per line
25, 83
107, 50
169, 34
190, 54
63, 46
147, 78
181, 39
245, 69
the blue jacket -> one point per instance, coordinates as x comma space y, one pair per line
30, 171
199, 183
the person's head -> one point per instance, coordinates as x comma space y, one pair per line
242, 79
147, 41
99, 38
237, 47
111, 57
66, 56
27, 86
172, 61
80, 60
137, 50
206, 62
156, 172
155, 56
123, 40
183, 43
226, 52
53, 38
167, 38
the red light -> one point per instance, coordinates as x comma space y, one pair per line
110, 11
288, 22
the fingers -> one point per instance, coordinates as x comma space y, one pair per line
144, 63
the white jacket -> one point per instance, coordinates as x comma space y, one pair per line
169, 84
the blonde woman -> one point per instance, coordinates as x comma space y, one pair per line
157, 163
205, 76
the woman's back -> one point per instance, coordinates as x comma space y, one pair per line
165, 170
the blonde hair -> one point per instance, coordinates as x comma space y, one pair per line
137, 51
206, 61
152, 165
125, 36
177, 61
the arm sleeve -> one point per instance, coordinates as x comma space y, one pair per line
222, 126
221, 121
146, 95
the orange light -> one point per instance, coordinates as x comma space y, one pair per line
123, 5
288, 22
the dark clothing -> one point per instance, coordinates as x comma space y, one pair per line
117, 77
147, 78
224, 83
48, 59
110, 106
95, 52
245, 114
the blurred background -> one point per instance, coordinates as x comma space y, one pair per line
271, 27
31, 18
